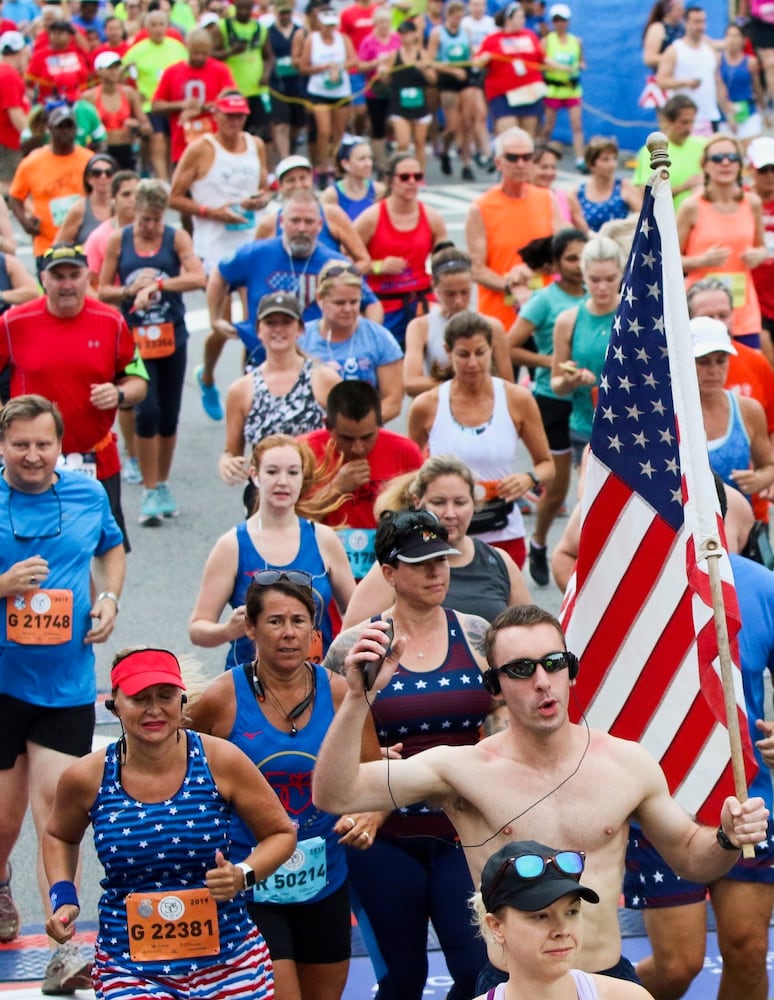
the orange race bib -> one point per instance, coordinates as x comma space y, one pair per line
156, 340
315, 653
179, 923
195, 128
40, 618
486, 490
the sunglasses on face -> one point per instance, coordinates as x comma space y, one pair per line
522, 669
418, 176
101, 172
268, 577
532, 866
722, 157
517, 157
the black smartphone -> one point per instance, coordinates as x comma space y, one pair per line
372, 668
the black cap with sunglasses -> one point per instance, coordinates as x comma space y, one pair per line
530, 876
411, 536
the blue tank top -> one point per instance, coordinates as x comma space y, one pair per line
154, 846
308, 559
325, 236
165, 307
287, 763
738, 81
354, 207
597, 213
424, 709
453, 48
732, 451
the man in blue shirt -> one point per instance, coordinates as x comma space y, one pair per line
287, 263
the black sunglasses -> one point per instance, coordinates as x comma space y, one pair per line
521, 669
268, 577
48, 517
517, 157
721, 157
532, 866
101, 172
406, 177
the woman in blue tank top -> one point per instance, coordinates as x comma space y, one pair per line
277, 708
155, 264
161, 801
356, 188
277, 536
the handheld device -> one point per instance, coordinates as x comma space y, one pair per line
372, 668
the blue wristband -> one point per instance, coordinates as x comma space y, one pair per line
63, 894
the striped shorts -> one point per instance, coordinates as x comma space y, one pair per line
245, 975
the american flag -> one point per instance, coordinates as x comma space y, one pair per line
638, 611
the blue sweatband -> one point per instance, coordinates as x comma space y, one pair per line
63, 894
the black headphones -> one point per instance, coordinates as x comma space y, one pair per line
110, 704
491, 677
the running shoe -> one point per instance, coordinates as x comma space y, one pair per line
538, 564
210, 397
67, 972
467, 174
446, 167
166, 500
9, 915
151, 514
130, 473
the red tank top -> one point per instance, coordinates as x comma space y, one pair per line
113, 120
414, 245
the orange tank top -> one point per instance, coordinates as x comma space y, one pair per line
736, 231
113, 121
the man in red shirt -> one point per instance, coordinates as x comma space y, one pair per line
187, 90
371, 457
80, 354
58, 69
14, 106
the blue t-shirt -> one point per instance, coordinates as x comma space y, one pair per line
541, 309
370, 346
265, 266
66, 526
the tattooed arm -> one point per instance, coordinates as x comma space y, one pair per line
338, 649
474, 629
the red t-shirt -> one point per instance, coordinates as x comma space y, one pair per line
516, 60
63, 72
12, 95
357, 22
181, 81
61, 359
763, 276
392, 455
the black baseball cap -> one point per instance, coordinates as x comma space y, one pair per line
414, 537
64, 253
502, 885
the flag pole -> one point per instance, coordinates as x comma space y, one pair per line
710, 549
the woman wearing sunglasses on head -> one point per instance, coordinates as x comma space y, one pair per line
400, 234
351, 345
277, 707
721, 232
162, 802
277, 536
529, 912
416, 872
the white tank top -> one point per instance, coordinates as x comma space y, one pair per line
321, 84
434, 348
698, 64
231, 178
490, 450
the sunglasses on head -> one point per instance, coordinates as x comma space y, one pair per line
268, 577
517, 157
524, 668
338, 269
406, 177
532, 866
721, 157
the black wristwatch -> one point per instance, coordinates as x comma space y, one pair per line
534, 478
121, 396
248, 873
725, 841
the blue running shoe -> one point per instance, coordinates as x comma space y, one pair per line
210, 397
